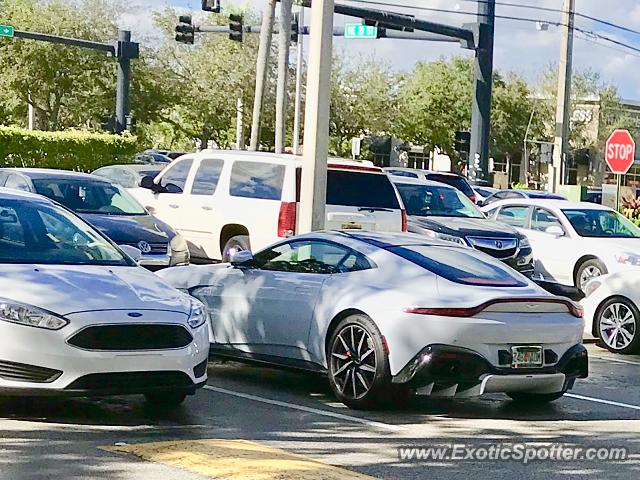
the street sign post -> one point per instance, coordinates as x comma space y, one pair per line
6, 31
619, 154
358, 30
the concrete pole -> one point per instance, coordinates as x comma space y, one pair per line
123, 85
478, 167
316, 123
298, 102
239, 124
284, 37
261, 71
563, 106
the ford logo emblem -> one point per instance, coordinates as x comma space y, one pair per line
144, 247
134, 314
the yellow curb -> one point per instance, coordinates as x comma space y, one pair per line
236, 460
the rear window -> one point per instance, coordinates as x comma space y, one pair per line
360, 189
257, 180
460, 265
453, 180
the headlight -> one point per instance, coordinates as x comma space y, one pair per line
198, 314
178, 244
23, 314
524, 243
446, 238
628, 259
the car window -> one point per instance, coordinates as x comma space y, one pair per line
401, 173
257, 180
121, 176
207, 177
3, 178
436, 201
601, 224
360, 189
11, 231
311, 257
461, 265
175, 178
515, 216
542, 219
455, 181
18, 183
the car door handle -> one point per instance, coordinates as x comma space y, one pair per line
173, 205
207, 208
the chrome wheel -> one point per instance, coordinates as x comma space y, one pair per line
587, 274
617, 326
353, 363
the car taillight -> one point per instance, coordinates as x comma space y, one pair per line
473, 198
575, 309
287, 219
403, 212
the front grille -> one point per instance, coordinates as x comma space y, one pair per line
20, 372
131, 337
156, 248
131, 381
501, 248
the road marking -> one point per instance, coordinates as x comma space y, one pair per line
317, 411
599, 400
612, 359
236, 460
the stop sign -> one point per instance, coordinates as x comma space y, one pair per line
620, 151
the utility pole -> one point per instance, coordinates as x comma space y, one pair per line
284, 36
30, 114
261, 71
478, 167
123, 102
563, 106
313, 192
239, 124
298, 102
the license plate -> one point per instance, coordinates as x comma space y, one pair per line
526, 357
351, 226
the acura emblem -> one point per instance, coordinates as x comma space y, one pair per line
144, 247
498, 244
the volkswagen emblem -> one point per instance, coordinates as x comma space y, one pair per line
499, 244
144, 247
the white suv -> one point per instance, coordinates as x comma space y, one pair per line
224, 200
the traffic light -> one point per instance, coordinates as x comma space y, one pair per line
185, 31
211, 6
463, 142
236, 26
387, 26
295, 27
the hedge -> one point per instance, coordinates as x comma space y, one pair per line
68, 150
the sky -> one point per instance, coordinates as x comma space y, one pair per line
519, 45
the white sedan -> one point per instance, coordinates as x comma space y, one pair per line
78, 317
611, 311
375, 311
572, 242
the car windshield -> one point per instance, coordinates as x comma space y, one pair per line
461, 265
436, 201
601, 224
40, 233
453, 180
84, 196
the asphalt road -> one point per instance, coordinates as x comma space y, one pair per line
248, 421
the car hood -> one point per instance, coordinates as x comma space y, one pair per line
131, 228
462, 227
79, 288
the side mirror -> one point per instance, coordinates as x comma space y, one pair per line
480, 203
148, 183
242, 258
132, 252
555, 230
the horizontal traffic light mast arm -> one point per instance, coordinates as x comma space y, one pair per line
466, 35
339, 32
75, 42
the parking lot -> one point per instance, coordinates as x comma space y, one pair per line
283, 412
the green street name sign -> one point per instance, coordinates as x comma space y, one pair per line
6, 31
357, 30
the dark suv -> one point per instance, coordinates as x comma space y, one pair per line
441, 211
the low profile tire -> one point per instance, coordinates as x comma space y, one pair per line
359, 372
235, 244
588, 270
535, 398
165, 399
617, 321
